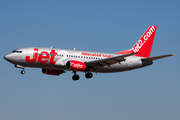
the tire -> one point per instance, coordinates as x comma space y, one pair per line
75, 77
23, 72
89, 75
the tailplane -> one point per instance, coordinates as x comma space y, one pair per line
143, 45
157, 57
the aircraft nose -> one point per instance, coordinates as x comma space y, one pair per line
7, 57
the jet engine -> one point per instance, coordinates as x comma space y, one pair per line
52, 71
74, 65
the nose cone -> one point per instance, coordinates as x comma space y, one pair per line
7, 57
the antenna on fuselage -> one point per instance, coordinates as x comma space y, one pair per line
51, 47
74, 48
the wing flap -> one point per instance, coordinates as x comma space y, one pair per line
98, 64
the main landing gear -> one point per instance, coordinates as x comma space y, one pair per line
88, 75
76, 77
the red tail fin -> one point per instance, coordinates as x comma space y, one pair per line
144, 44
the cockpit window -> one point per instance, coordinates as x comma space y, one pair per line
15, 51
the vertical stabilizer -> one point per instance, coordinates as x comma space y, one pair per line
144, 44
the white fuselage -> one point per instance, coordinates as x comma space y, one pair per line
52, 58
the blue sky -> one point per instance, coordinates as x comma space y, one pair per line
107, 26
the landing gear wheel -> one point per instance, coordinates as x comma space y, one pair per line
23, 72
89, 75
75, 77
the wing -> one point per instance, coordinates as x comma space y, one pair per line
98, 64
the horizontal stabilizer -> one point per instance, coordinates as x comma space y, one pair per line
158, 57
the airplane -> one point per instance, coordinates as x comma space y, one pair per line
55, 61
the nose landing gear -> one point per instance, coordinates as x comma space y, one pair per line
23, 72
21, 67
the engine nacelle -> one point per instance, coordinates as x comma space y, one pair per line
74, 65
52, 72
